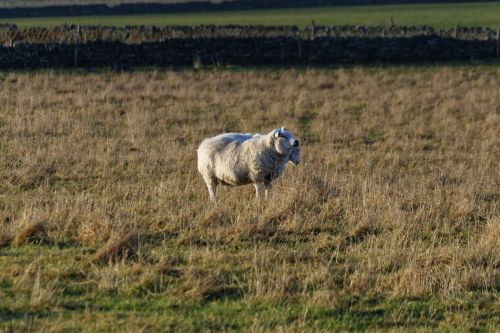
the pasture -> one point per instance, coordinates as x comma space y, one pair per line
391, 220
41, 3
480, 14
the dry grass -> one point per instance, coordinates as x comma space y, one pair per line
34, 232
120, 247
396, 198
5, 239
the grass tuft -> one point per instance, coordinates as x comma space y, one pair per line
120, 247
6, 239
33, 233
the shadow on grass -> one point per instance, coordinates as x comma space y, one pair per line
222, 293
7, 314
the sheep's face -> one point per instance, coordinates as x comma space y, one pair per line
286, 144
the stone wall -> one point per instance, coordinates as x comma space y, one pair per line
11, 34
252, 51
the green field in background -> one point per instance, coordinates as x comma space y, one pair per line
436, 15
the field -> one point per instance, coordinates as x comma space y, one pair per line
390, 222
437, 15
41, 3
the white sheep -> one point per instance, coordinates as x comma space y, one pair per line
235, 159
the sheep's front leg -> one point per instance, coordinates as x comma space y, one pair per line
258, 187
268, 190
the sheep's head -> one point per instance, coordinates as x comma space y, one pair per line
286, 144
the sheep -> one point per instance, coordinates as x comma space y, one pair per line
235, 159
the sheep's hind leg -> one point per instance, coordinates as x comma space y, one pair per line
212, 188
258, 187
268, 187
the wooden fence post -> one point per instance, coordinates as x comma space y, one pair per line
299, 42
77, 44
498, 43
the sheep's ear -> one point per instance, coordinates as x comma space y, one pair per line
276, 133
283, 129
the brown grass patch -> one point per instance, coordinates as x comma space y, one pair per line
362, 230
6, 239
120, 247
32, 233
93, 230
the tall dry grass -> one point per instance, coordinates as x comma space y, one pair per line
397, 194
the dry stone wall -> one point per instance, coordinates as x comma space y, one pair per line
95, 46
11, 34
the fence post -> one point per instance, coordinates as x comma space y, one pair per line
498, 43
77, 44
455, 31
313, 29
299, 42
